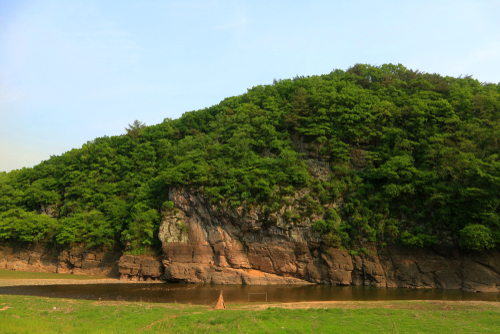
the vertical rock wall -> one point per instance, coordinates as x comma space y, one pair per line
203, 244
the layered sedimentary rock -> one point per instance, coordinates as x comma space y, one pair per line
37, 258
140, 268
202, 244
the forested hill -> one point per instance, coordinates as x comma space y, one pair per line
429, 144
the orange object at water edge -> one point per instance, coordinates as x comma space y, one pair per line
220, 303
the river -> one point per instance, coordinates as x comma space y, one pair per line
208, 294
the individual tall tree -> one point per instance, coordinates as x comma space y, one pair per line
134, 128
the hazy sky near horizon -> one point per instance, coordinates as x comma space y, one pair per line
71, 71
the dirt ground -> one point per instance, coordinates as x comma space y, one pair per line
15, 282
18, 282
412, 305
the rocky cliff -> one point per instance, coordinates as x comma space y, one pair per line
203, 244
37, 258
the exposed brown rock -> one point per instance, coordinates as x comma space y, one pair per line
142, 268
36, 258
203, 244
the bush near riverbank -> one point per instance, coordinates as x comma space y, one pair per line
21, 314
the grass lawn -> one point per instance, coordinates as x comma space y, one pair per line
14, 274
21, 314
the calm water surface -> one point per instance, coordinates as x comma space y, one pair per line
208, 294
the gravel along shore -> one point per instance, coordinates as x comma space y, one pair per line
19, 282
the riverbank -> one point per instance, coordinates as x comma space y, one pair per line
26, 278
27, 282
22, 314
18, 278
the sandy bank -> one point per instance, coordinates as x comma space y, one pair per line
19, 282
403, 304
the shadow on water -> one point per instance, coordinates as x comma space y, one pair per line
207, 293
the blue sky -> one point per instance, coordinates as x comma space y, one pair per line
71, 71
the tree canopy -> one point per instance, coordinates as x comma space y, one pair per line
429, 147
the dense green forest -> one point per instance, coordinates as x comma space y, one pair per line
431, 146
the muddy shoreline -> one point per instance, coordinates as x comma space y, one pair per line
41, 281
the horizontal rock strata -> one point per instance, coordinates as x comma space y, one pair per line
140, 268
36, 258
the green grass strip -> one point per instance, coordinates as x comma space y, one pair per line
21, 314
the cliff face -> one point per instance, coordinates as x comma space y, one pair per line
204, 245
37, 258
80, 261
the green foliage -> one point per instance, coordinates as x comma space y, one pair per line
17, 224
406, 149
418, 239
89, 227
321, 226
26, 314
169, 205
142, 228
183, 227
476, 237
333, 240
333, 231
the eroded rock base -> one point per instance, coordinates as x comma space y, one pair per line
196, 273
140, 268
35, 258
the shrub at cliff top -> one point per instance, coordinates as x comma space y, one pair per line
476, 237
413, 155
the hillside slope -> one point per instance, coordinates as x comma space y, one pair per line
383, 154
